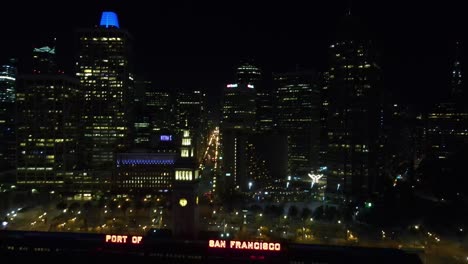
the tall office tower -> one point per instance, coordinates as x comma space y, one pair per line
7, 118
237, 123
44, 60
324, 79
160, 108
456, 80
298, 117
355, 120
247, 72
404, 134
47, 131
140, 116
447, 128
259, 174
185, 210
104, 68
448, 121
191, 114
8, 74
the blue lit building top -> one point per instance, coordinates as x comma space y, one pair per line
109, 19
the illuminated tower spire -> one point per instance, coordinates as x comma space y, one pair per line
456, 85
109, 19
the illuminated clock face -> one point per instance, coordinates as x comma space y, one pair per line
183, 202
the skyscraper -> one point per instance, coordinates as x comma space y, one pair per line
354, 123
238, 122
140, 116
161, 111
47, 134
7, 81
7, 118
456, 80
44, 60
447, 125
104, 67
298, 118
247, 72
191, 114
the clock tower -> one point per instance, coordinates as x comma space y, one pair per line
185, 211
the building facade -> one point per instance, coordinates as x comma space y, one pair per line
248, 73
8, 74
144, 172
161, 111
191, 114
237, 124
297, 98
354, 121
47, 130
104, 68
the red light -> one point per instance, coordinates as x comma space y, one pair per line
123, 239
245, 245
257, 257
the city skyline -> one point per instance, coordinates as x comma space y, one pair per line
234, 125
188, 43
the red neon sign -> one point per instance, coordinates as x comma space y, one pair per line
123, 239
244, 245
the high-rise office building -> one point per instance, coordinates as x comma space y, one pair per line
7, 81
237, 123
247, 72
7, 118
104, 68
355, 117
47, 130
456, 74
447, 123
140, 116
324, 79
191, 114
44, 60
298, 118
161, 111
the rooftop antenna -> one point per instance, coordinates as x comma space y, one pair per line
350, 7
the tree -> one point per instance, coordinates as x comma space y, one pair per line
74, 206
138, 204
293, 211
274, 210
255, 208
319, 213
331, 212
125, 205
306, 212
61, 206
112, 205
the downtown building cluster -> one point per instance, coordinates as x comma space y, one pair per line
102, 130
336, 135
106, 129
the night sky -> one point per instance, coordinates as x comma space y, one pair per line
196, 44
